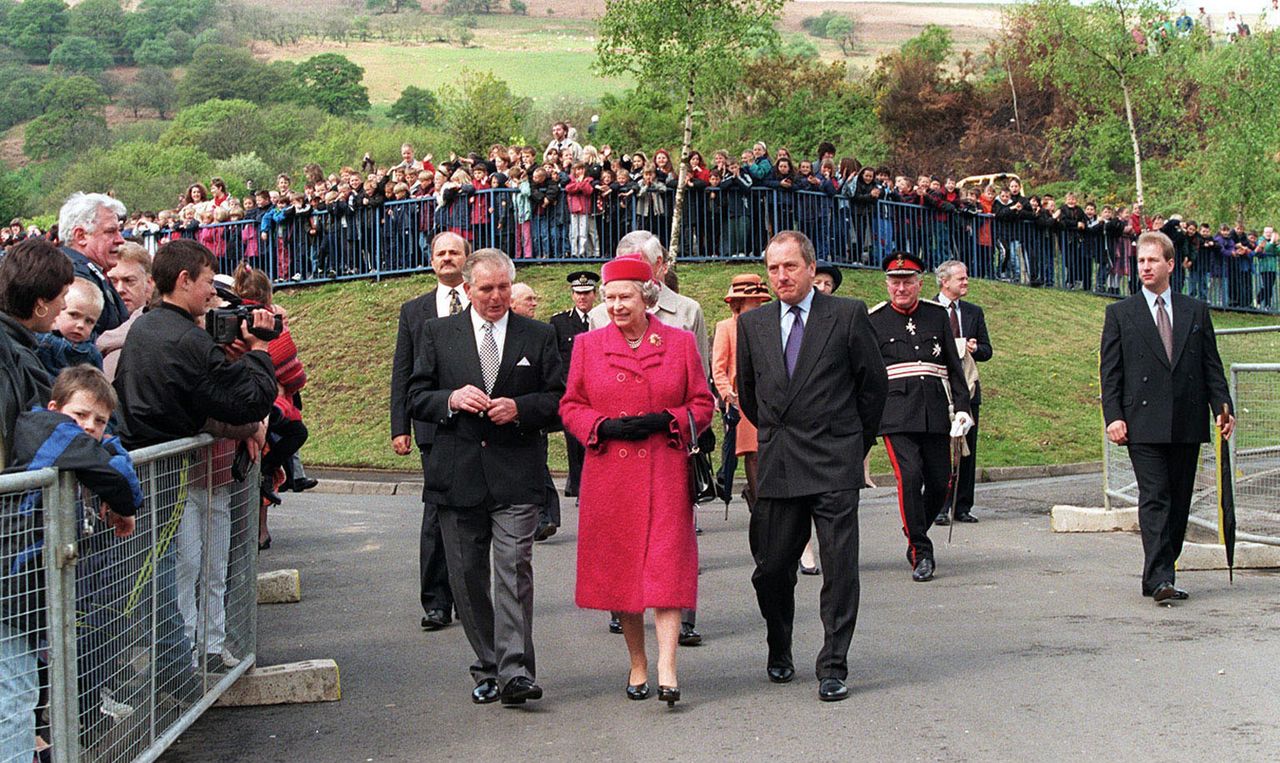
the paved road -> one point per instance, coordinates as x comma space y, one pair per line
1028, 644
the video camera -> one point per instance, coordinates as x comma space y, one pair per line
223, 324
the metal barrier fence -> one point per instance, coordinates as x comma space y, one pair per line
370, 240
136, 636
1255, 449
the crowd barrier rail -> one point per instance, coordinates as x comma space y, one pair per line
718, 223
120, 644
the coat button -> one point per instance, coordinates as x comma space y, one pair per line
623, 413
622, 452
642, 453
622, 377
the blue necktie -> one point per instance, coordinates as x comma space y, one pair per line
791, 351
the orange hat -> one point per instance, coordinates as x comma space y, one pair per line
747, 286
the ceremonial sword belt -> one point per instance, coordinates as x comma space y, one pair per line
916, 368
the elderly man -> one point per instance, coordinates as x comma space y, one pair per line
131, 278
928, 402
524, 300
89, 224
448, 252
490, 381
674, 310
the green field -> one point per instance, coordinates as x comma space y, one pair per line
1040, 391
539, 58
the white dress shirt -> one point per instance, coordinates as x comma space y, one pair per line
442, 299
1151, 303
946, 302
788, 319
499, 330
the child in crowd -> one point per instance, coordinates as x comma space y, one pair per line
402, 230
605, 212
69, 434
69, 343
579, 194
544, 198
519, 180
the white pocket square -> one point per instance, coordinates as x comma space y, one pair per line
523, 362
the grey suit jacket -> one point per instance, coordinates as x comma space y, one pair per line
815, 427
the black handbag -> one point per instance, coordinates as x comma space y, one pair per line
702, 481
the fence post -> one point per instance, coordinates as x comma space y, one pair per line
61, 550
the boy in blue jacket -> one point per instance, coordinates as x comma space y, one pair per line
66, 435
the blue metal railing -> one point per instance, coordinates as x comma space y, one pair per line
374, 240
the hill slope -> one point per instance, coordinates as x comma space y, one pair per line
1039, 390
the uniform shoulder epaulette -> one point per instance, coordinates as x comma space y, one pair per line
562, 312
877, 307
935, 303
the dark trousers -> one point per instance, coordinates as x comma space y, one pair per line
778, 532
577, 453
549, 512
968, 471
1166, 478
500, 629
921, 463
433, 572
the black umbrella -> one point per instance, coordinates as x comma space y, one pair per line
953, 481
729, 455
1226, 499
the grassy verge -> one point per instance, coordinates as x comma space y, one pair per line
1040, 391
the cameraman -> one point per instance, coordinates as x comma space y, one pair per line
172, 376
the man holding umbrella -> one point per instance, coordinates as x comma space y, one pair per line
1162, 380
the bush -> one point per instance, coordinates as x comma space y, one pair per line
218, 128
237, 169
138, 174
155, 51
480, 111
519, 8
62, 132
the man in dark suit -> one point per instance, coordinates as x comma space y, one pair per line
810, 378
568, 325
490, 381
1162, 380
448, 252
967, 323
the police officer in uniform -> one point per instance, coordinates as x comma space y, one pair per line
568, 325
920, 417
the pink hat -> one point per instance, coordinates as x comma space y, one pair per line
627, 267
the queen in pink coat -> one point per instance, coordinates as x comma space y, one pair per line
631, 387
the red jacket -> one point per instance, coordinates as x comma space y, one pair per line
636, 546
579, 193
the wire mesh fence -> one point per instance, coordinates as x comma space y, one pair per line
136, 636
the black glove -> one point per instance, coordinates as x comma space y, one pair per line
621, 429
651, 423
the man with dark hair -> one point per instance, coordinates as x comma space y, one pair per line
448, 252
1162, 382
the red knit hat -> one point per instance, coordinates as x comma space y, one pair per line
628, 267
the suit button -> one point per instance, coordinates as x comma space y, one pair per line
484, 444
1144, 378
1144, 402
622, 452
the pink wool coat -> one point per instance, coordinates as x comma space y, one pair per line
636, 546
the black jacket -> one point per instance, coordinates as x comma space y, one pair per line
24, 382
413, 315
172, 377
919, 403
1161, 402
114, 312
815, 426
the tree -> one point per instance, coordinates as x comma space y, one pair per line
100, 20
20, 96
519, 8
155, 51
1102, 40
71, 94
72, 120
333, 83
709, 43
844, 32
217, 127
159, 91
35, 27
221, 71
79, 55
480, 110
416, 106
187, 15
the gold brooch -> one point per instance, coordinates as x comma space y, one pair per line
655, 340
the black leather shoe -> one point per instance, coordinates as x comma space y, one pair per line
519, 690
923, 571
689, 636
485, 692
781, 674
967, 518
544, 531
832, 690
669, 694
270, 495
814, 570
306, 483
1166, 592
942, 519
615, 625
638, 691
436, 619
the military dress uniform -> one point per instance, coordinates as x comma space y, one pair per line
568, 325
922, 364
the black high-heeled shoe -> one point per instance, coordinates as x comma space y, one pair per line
638, 691
669, 694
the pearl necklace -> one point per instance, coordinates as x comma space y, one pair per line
635, 345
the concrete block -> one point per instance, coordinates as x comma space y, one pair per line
1211, 556
335, 487
409, 488
1080, 519
291, 683
279, 587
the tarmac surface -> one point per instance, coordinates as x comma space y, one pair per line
1028, 644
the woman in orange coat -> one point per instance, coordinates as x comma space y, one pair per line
746, 292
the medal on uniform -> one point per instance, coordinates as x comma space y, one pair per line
937, 349
911, 326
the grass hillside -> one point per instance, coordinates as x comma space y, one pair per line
1040, 390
